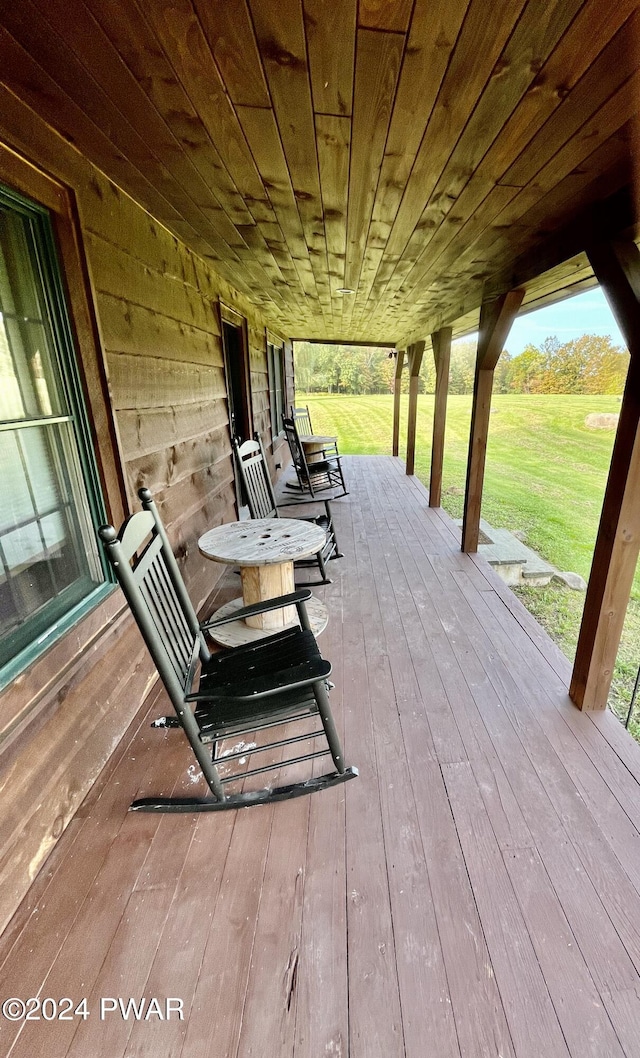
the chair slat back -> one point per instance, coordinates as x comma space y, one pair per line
252, 464
297, 451
302, 419
152, 577
146, 574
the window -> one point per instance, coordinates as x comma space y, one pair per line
277, 392
50, 568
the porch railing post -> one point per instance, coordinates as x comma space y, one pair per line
617, 268
441, 344
496, 318
397, 388
415, 362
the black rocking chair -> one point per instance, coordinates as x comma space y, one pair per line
317, 474
302, 419
277, 680
261, 500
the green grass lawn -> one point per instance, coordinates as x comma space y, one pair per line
545, 476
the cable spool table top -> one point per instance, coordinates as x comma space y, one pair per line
262, 541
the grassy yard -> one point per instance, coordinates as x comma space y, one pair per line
545, 477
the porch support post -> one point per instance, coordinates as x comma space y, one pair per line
397, 385
415, 361
496, 318
441, 344
617, 268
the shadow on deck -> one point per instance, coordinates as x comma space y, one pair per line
473, 893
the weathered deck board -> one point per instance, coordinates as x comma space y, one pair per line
475, 892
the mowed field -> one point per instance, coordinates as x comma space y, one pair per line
545, 476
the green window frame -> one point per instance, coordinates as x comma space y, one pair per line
52, 571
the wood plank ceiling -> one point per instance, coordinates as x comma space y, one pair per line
416, 151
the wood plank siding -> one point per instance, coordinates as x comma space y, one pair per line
155, 307
418, 153
476, 891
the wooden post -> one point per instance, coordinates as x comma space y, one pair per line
617, 268
397, 385
496, 318
415, 362
441, 344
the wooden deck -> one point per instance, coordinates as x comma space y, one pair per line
474, 893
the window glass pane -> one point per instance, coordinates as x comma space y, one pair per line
49, 559
40, 455
46, 545
11, 403
28, 367
275, 368
18, 282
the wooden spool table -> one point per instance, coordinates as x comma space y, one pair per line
314, 445
265, 549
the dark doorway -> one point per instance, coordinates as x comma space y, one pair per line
237, 375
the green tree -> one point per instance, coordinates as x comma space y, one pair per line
525, 371
589, 364
603, 366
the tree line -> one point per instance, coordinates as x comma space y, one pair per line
589, 364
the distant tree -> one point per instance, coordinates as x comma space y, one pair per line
525, 371
387, 374
603, 366
589, 364
329, 368
463, 367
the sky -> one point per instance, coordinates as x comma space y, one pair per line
587, 313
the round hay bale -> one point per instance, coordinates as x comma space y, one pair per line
602, 420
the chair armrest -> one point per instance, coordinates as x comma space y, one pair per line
322, 457
301, 596
273, 683
330, 448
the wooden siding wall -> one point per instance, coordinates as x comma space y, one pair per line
157, 313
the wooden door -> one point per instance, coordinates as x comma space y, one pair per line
236, 367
